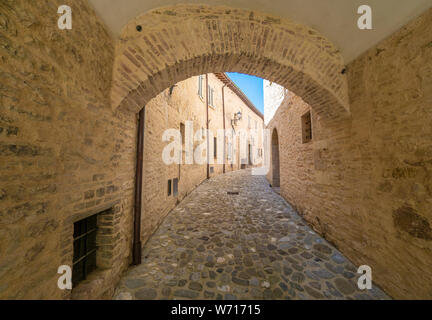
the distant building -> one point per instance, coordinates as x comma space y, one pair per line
274, 94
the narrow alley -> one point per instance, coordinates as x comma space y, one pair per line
218, 244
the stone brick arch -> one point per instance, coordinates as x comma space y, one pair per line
175, 43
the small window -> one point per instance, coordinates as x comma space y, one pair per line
306, 127
183, 133
171, 89
169, 187
249, 122
215, 147
84, 249
200, 86
211, 169
175, 187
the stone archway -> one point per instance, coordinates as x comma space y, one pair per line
170, 44
275, 159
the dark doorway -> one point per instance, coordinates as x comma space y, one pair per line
275, 159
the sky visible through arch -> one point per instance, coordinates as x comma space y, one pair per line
251, 86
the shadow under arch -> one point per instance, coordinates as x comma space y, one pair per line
178, 42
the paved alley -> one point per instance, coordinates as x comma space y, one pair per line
250, 245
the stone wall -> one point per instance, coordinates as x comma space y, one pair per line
365, 183
64, 154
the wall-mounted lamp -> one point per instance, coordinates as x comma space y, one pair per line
237, 117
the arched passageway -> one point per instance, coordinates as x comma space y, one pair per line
154, 53
275, 160
69, 157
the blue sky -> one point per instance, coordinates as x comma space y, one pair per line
251, 86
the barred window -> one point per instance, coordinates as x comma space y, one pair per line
84, 248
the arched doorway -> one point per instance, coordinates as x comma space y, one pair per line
275, 160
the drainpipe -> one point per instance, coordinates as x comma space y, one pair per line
208, 142
136, 253
224, 141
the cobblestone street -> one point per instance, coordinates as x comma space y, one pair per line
250, 245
